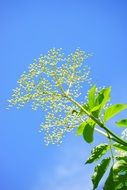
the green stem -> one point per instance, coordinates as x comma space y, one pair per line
111, 150
114, 137
101, 132
105, 134
97, 121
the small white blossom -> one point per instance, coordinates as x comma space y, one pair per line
45, 85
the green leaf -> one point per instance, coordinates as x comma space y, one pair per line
120, 185
120, 165
120, 147
85, 106
81, 128
120, 173
98, 152
117, 179
88, 132
122, 123
103, 96
95, 104
109, 184
121, 158
99, 171
96, 110
91, 96
113, 110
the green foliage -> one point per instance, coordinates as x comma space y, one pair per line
109, 184
122, 123
82, 126
86, 107
99, 171
117, 179
120, 147
80, 129
96, 100
120, 173
103, 97
98, 152
88, 132
113, 110
91, 97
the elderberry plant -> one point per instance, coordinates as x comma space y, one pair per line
46, 84
53, 83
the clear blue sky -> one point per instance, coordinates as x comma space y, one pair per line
27, 29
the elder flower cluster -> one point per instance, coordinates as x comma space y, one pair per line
47, 84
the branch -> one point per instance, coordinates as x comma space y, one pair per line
97, 121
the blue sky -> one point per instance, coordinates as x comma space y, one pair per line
29, 28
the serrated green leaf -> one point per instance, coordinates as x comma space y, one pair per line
117, 179
98, 152
120, 185
109, 184
120, 147
121, 158
113, 110
99, 171
120, 173
91, 97
88, 132
122, 123
120, 166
